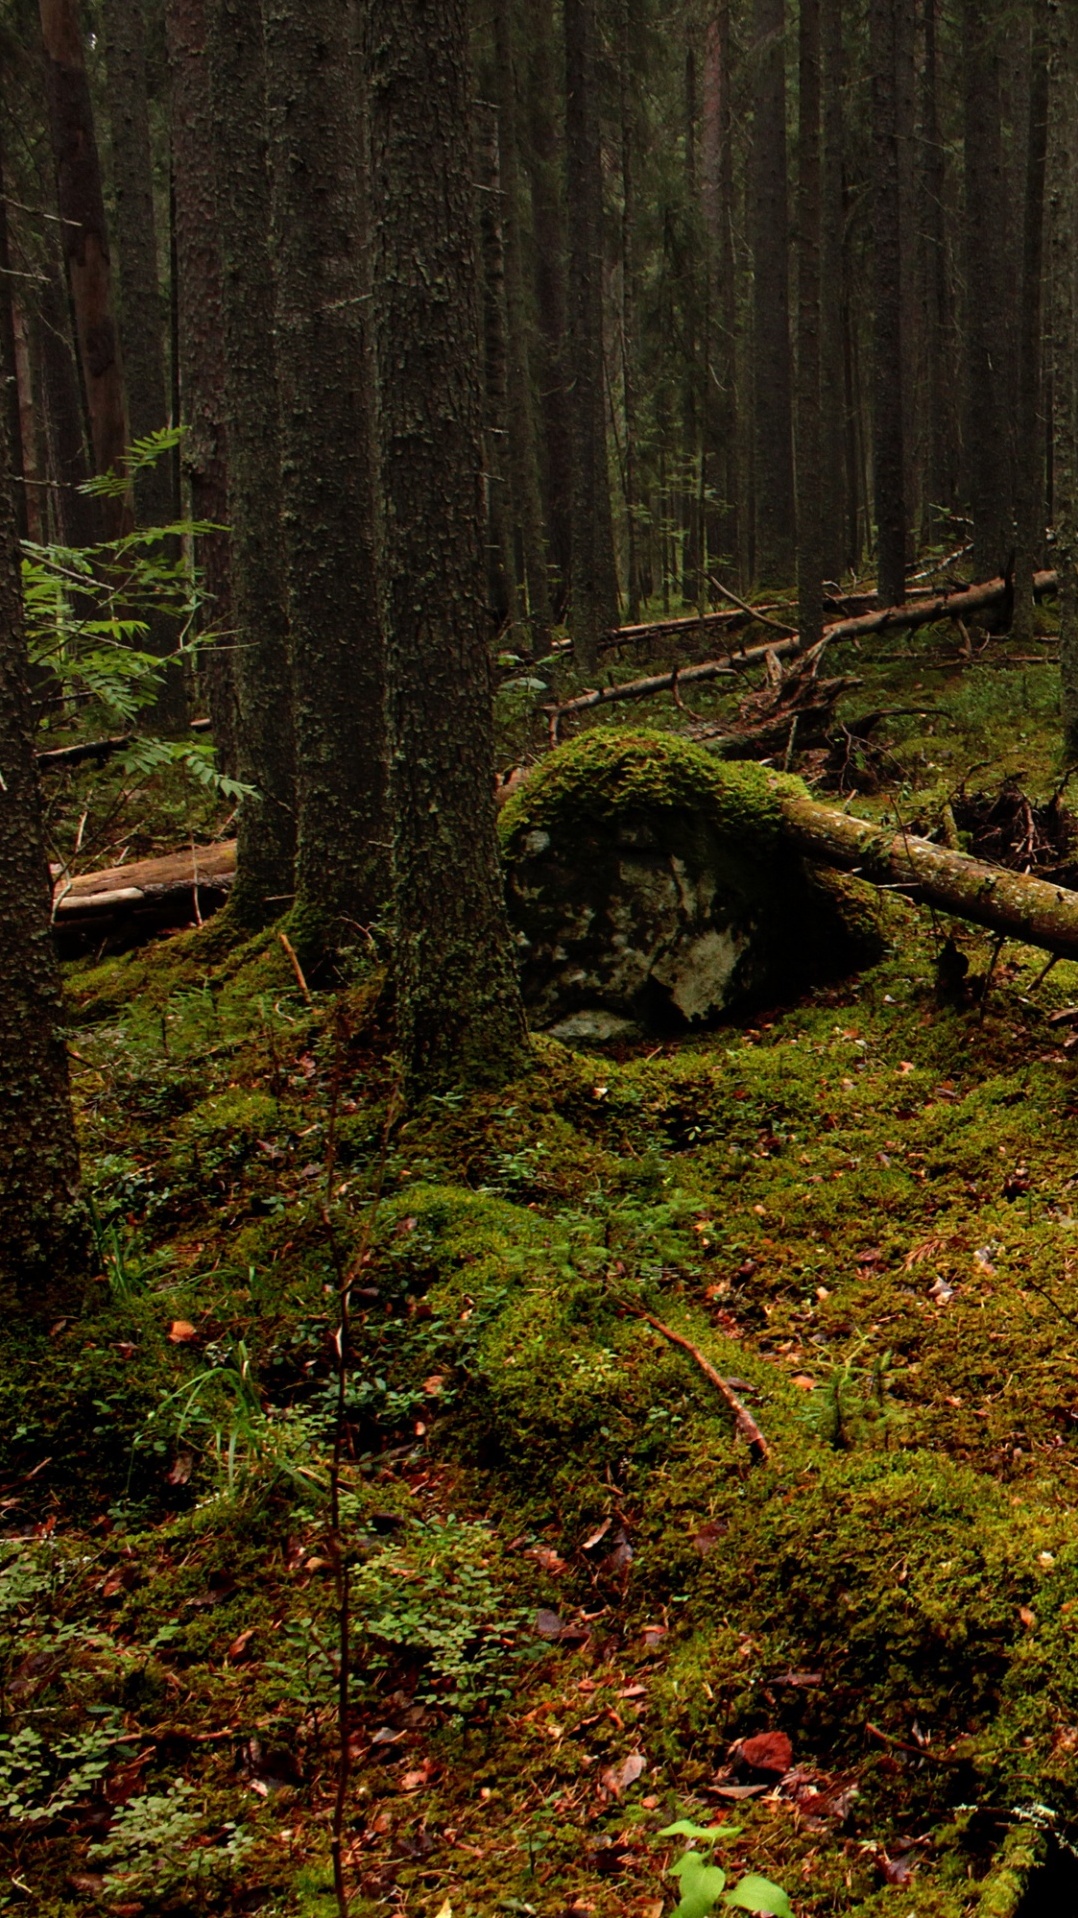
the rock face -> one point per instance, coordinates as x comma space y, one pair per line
648, 883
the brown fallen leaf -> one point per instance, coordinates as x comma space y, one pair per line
804, 1382
181, 1332
707, 1538
767, 1751
548, 1624
593, 1537
653, 1636
238, 1650
619, 1777
179, 1472
548, 1560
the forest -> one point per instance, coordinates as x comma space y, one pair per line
538, 958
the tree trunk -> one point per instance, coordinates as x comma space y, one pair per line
721, 420
1029, 441
1064, 294
85, 245
594, 574
200, 326
265, 750
43, 1247
627, 103
9, 359
887, 348
142, 327
775, 553
987, 442
327, 486
523, 450
548, 221
459, 1009
501, 568
809, 419
940, 376
834, 543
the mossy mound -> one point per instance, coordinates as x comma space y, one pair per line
648, 883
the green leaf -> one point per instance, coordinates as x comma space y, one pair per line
759, 1894
701, 1886
685, 1828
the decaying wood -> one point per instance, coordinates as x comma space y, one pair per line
962, 604
123, 905
743, 1419
1013, 904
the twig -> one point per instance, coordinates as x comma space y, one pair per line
743, 1420
764, 618
296, 967
915, 1751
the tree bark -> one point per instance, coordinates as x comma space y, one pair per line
523, 449
834, 544
501, 567
327, 485
265, 747
987, 440
459, 1007
1064, 295
142, 326
200, 326
941, 479
721, 431
1029, 440
43, 1247
809, 411
594, 596
85, 245
887, 346
548, 220
776, 532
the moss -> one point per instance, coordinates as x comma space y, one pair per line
603, 775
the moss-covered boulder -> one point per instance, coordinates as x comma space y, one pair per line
648, 883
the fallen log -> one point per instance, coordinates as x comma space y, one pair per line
1012, 904
55, 758
124, 905
964, 603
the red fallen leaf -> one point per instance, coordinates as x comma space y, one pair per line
238, 1650
181, 1332
767, 1751
619, 1777
548, 1560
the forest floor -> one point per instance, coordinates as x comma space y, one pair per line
581, 1609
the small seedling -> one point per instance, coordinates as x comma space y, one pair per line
703, 1884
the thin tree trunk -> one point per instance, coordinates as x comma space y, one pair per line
834, 543
594, 574
722, 430
1064, 291
43, 1247
776, 534
523, 444
628, 308
940, 381
327, 486
65, 438
10, 359
548, 221
143, 314
809, 423
265, 749
887, 347
459, 1008
85, 244
986, 430
1029, 442
201, 344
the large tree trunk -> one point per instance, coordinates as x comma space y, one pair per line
265, 749
548, 220
43, 1246
85, 244
142, 308
809, 412
594, 574
940, 381
887, 345
459, 1008
523, 447
834, 545
775, 553
326, 471
501, 567
721, 431
200, 325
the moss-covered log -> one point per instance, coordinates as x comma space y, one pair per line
1010, 903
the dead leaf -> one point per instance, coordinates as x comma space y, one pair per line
707, 1538
803, 1381
415, 1780
548, 1624
1028, 1618
237, 1651
767, 1751
547, 1560
653, 1636
927, 1249
179, 1471
619, 1777
433, 1385
181, 1332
